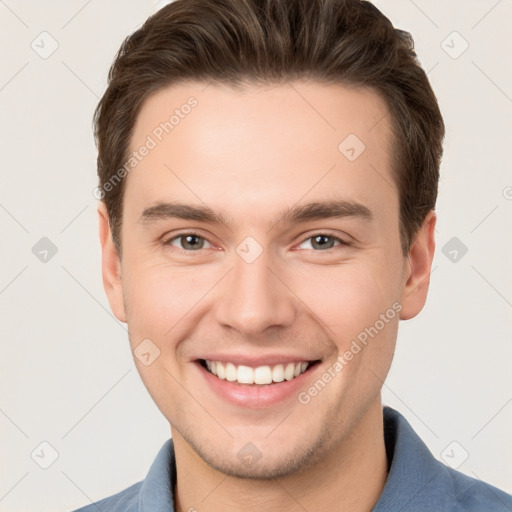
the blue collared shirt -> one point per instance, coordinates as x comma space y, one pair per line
416, 482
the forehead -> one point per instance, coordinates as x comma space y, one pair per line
252, 149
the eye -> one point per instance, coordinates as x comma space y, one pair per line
192, 242
188, 242
324, 241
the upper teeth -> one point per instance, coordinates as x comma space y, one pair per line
260, 375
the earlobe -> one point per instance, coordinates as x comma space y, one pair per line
110, 266
418, 269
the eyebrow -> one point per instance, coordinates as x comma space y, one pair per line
317, 210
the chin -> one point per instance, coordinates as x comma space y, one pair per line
263, 460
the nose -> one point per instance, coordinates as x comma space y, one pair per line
255, 297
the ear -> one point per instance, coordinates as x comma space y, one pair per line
110, 266
418, 268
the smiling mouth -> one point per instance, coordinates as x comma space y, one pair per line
258, 376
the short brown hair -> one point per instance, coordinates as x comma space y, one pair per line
269, 42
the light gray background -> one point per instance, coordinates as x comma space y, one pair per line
67, 374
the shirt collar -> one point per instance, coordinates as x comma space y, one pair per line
416, 480
156, 492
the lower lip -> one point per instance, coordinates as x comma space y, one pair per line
255, 396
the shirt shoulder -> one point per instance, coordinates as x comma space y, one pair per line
124, 501
418, 482
473, 495
153, 494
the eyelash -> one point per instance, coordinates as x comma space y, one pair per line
167, 243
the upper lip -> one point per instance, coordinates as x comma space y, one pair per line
255, 361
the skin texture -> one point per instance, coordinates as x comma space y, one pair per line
248, 155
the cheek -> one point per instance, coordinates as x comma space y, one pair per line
157, 299
348, 298
358, 303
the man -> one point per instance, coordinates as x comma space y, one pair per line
268, 175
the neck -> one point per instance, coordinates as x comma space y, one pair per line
350, 478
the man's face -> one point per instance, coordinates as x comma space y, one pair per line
262, 288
